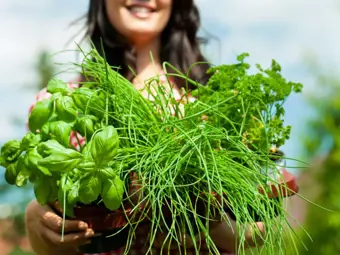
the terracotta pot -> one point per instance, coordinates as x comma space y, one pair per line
286, 186
106, 241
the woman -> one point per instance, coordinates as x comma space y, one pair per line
131, 31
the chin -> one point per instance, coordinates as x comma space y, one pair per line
142, 31
142, 36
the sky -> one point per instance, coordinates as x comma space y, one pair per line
285, 30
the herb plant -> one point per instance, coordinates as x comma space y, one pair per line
192, 165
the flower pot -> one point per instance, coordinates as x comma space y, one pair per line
106, 241
286, 186
111, 227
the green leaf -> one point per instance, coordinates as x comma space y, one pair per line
66, 109
90, 101
86, 151
87, 166
11, 173
112, 192
3, 162
81, 98
11, 150
23, 172
61, 132
107, 173
40, 114
64, 189
57, 158
33, 158
42, 190
57, 86
73, 194
97, 104
62, 161
33, 178
90, 187
47, 148
30, 140
84, 125
104, 146
45, 132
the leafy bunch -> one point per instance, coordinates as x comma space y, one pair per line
252, 103
46, 158
193, 162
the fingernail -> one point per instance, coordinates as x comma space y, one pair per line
89, 233
82, 225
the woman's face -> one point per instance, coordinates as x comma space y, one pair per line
139, 20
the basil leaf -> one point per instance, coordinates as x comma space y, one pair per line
47, 148
104, 146
40, 114
11, 150
87, 166
30, 140
33, 158
33, 178
112, 193
86, 151
45, 132
61, 132
3, 162
84, 126
73, 194
57, 86
62, 161
42, 190
90, 187
11, 173
81, 98
23, 172
97, 104
66, 109
64, 189
107, 173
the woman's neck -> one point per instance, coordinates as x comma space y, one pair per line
148, 63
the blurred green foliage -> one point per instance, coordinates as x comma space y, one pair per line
45, 70
18, 251
322, 143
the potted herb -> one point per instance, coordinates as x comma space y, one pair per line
148, 161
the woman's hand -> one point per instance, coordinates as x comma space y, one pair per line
44, 228
226, 238
223, 234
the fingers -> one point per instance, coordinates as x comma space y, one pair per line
68, 240
55, 223
56, 206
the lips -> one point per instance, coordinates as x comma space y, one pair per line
140, 10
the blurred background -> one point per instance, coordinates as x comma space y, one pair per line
302, 35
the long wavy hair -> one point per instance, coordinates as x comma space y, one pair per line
180, 44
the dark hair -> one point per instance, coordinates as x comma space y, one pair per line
180, 45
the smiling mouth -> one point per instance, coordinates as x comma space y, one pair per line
140, 10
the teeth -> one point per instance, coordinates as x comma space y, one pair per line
139, 9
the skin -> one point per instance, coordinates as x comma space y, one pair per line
43, 225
